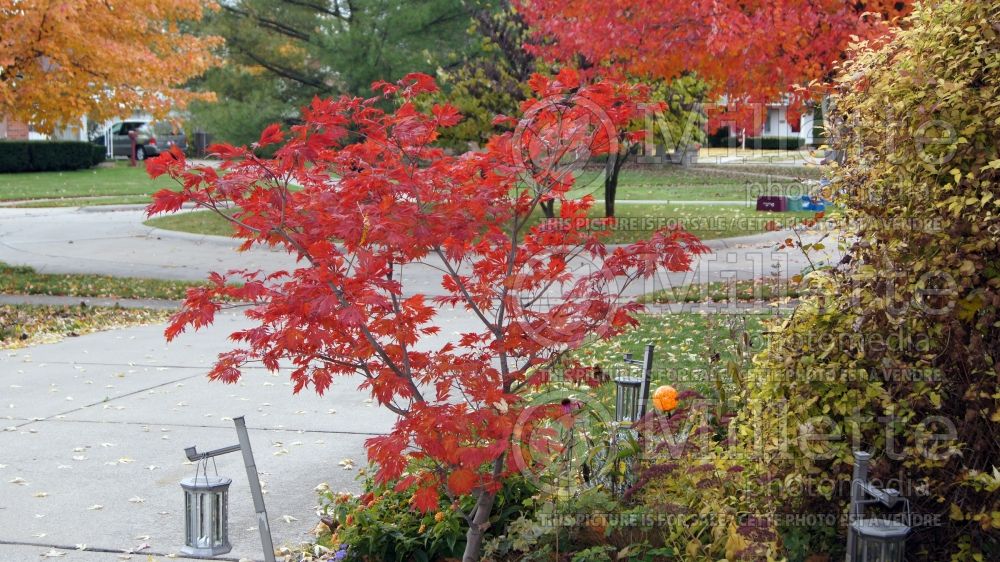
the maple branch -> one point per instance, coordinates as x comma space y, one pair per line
336, 12
341, 362
364, 371
465, 293
338, 292
553, 281
406, 353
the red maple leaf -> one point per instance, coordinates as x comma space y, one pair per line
461, 481
425, 499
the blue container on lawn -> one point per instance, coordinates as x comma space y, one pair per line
813, 203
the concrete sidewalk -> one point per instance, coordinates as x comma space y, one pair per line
92, 432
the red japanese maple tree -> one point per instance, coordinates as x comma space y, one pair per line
359, 193
753, 51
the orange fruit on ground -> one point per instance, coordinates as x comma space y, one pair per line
665, 398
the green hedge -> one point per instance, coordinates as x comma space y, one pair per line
722, 138
48, 156
775, 143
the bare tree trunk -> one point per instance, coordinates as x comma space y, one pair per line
612, 170
548, 208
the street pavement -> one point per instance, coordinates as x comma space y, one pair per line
115, 242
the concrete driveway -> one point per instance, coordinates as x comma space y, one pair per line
93, 431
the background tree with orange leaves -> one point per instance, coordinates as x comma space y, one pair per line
61, 60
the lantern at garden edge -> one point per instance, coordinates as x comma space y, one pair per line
206, 515
878, 540
874, 539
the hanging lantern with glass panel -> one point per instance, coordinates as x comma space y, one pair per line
206, 508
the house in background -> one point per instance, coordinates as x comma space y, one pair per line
11, 129
17, 130
776, 124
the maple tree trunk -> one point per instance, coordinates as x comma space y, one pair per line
481, 519
610, 187
477, 530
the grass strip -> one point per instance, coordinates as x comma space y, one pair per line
26, 325
23, 280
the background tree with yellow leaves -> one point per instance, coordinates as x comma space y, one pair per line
61, 60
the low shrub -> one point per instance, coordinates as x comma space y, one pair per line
48, 156
381, 525
774, 143
14, 157
722, 138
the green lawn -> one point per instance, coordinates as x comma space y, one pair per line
707, 222
667, 183
122, 184
84, 202
19, 280
117, 181
195, 222
744, 290
685, 344
634, 221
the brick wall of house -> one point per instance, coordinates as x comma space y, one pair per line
13, 130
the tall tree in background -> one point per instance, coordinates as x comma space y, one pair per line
744, 48
751, 51
102, 58
747, 49
491, 79
674, 120
279, 54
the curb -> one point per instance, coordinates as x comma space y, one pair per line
60, 300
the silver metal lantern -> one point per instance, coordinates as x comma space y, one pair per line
874, 539
878, 540
206, 501
627, 392
206, 508
632, 393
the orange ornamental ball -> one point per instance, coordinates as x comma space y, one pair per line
665, 398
